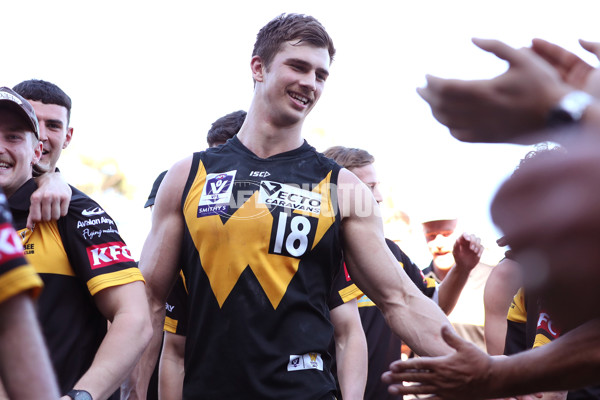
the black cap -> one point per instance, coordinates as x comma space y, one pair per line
22, 106
155, 186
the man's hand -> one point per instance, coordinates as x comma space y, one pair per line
504, 108
467, 252
573, 70
51, 200
464, 374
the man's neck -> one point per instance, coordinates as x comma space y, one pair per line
265, 139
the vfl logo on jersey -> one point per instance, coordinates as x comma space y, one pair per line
93, 211
279, 194
305, 361
216, 194
10, 243
103, 255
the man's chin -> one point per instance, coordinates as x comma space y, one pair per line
40, 168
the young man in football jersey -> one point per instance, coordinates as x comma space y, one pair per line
258, 226
25, 367
88, 273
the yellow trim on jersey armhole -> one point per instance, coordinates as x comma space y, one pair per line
350, 293
170, 325
20, 279
517, 311
540, 340
116, 278
364, 301
431, 283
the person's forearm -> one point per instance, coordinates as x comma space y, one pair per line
569, 362
120, 350
424, 338
171, 370
352, 362
136, 386
450, 289
25, 365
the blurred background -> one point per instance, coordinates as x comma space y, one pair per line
148, 78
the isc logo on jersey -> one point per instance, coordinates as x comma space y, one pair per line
105, 254
10, 243
279, 194
216, 193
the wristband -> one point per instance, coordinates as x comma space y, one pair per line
569, 109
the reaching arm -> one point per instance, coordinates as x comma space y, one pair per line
502, 284
467, 253
351, 350
24, 362
159, 263
569, 362
171, 372
125, 306
375, 270
51, 199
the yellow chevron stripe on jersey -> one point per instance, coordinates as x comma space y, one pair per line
20, 279
116, 278
351, 292
250, 228
44, 250
517, 311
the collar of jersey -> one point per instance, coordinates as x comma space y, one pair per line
238, 146
20, 200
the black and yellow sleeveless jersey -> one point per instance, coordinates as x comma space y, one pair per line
177, 308
260, 251
530, 326
16, 275
76, 256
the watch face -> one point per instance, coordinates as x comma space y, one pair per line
80, 395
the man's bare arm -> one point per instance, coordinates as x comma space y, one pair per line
569, 362
25, 366
350, 350
125, 306
411, 315
467, 253
159, 263
171, 372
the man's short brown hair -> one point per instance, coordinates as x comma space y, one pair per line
349, 158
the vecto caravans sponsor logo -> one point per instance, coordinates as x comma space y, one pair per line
287, 196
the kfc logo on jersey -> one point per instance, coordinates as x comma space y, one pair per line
545, 324
103, 255
10, 243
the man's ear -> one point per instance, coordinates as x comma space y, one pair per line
68, 138
258, 68
37, 152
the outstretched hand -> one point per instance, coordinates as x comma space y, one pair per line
572, 69
461, 375
504, 108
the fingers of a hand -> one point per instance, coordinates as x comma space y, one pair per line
554, 54
451, 338
48, 207
35, 213
414, 389
592, 47
499, 49
501, 242
64, 207
412, 365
